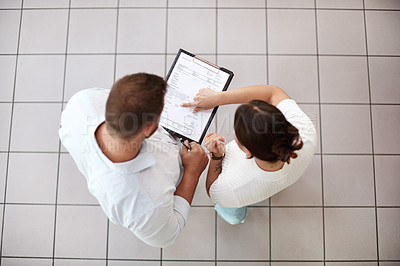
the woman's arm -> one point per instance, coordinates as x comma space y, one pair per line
206, 98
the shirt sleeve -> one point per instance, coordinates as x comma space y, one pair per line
162, 226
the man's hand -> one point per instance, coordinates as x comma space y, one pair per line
195, 160
215, 143
205, 99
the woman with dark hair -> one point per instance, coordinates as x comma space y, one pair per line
274, 145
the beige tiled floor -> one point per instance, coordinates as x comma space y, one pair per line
340, 60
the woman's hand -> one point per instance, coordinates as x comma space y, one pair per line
204, 99
215, 143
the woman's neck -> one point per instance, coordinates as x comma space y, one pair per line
116, 150
269, 166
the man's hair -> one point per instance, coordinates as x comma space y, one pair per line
134, 102
265, 132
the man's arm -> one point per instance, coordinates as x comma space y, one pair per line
194, 162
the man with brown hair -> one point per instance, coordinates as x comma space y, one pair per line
142, 177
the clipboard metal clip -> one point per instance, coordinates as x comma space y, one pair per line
214, 68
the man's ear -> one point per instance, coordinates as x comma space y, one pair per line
149, 129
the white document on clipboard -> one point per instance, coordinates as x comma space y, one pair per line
187, 77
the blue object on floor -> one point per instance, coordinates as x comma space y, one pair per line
232, 215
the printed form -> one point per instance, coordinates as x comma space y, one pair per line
188, 76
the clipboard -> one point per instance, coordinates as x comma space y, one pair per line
192, 73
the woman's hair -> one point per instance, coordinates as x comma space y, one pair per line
265, 132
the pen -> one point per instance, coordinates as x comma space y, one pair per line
186, 145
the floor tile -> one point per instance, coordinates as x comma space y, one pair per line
123, 244
297, 264
40, 78
346, 129
35, 182
46, 4
187, 263
234, 263
381, 38
131, 25
10, 4
386, 125
385, 79
200, 196
352, 263
200, 226
336, 26
350, 234
40, 36
343, 79
141, 3
351, 184
348, 180
243, 30
81, 232
43, 122
286, 27
5, 117
133, 263
3, 172
389, 234
75, 262
185, 32
241, 3
290, 3
24, 262
88, 28
296, 234
96, 3
130, 64
9, 29
382, 4
88, 71
251, 236
28, 231
239, 65
307, 191
197, 3
7, 74
389, 263
312, 111
72, 186
347, 4
387, 170
296, 75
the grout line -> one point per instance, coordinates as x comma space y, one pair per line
185, 7
165, 76
114, 77
320, 134
372, 134
269, 200
59, 141
166, 42
224, 54
10, 131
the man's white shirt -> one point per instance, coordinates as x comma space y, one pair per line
137, 194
